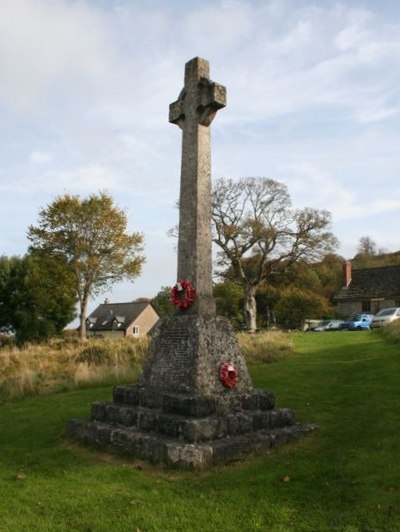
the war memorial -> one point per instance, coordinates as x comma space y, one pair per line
194, 404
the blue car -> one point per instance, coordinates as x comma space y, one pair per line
357, 322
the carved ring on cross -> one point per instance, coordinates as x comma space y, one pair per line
210, 98
183, 294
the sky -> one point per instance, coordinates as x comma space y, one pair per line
313, 101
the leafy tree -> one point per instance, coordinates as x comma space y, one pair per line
7, 264
367, 252
162, 303
366, 246
330, 274
91, 236
37, 295
229, 301
295, 305
266, 299
323, 277
253, 219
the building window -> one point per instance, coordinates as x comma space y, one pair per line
135, 330
366, 306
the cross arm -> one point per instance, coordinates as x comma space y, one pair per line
212, 98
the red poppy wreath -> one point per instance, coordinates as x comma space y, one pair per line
183, 295
228, 375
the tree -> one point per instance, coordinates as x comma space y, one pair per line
253, 219
37, 296
229, 301
370, 256
162, 302
295, 305
91, 236
7, 265
366, 246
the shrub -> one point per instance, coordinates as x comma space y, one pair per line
6, 340
295, 305
391, 331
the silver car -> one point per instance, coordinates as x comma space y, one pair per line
385, 316
328, 325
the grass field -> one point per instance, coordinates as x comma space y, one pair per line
345, 476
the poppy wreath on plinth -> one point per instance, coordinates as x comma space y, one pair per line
228, 375
183, 294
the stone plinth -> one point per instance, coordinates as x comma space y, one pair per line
180, 414
187, 431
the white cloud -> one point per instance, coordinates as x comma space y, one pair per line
40, 157
49, 49
81, 180
334, 57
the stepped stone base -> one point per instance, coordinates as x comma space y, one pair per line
179, 413
186, 431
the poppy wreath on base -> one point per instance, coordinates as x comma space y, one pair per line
183, 294
228, 375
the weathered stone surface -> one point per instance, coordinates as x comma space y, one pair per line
193, 112
186, 354
193, 405
193, 426
173, 453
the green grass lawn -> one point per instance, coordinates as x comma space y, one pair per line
345, 476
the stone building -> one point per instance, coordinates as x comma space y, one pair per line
111, 320
368, 289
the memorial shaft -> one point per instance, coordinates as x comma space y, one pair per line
193, 112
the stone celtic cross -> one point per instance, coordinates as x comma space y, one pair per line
193, 112
186, 410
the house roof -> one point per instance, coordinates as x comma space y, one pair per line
372, 283
108, 316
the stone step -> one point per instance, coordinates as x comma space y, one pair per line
162, 449
193, 405
191, 429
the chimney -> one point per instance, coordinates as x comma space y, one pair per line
347, 273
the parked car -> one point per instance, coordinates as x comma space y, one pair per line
357, 322
327, 325
385, 316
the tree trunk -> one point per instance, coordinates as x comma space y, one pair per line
271, 319
82, 322
250, 308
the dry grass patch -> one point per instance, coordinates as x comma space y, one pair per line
268, 346
63, 363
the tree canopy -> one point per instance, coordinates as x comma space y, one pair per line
162, 302
260, 234
91, 236
309, 287
37, 296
